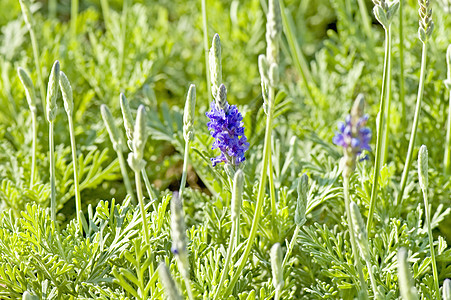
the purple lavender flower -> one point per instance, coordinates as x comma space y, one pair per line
354, 137
226, 127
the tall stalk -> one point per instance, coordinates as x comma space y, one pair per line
125, 7
52, 109
237, 193
34, 44
355, 250
380, 126
424, 32
385, 141
413, 133
423, 178
188, 132
118, 146
31, 99
206, 49
402, 91
447, 155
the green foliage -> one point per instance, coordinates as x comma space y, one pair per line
152, 51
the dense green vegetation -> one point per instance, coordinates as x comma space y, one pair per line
283, 224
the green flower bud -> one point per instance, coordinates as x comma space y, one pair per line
66, 91
178, 234
273, 31
423, 167
127, 117
27, 296
168, 283
406, 283
111, 127
263, 68
276, 266
381, 15
301, 203
360, 231
221, 98
135, 159
237, 194
188, 114
52, 92
215, 65
29, 88
447, 289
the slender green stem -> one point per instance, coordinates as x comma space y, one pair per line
139, 192
388, 103
431, 242
298, 58
227, 261
447, 160
188, 287
149, 188
237, 234
277, 295
401, 66
372, 278
365, 18
52, 174
73, 18
416, 119
206, 49
377, 163
34, 146
291, 246
37, 64
260, 195
127, 183
355, 250
185, 169
76, 177
272, 194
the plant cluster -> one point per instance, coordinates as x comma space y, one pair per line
249, 191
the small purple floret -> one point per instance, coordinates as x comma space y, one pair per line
226, 127
354, 137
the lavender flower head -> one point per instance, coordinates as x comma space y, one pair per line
353, 136
226, 127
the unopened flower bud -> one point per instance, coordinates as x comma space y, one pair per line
221, 98
111, 127
129, 123
178, 234
273, 74
237, 194
301, 203
135, 159
215, 65
447, 289
276, 266
28, 18
52, 92
188, 114
406, 283
360, 231
66, 91
29, 88
170, 289
273, 30
423, 167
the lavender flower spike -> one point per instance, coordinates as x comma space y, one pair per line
352, 135
226, 127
